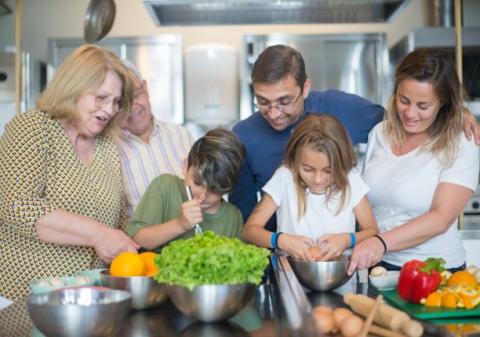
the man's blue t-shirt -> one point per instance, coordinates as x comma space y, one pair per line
265, 146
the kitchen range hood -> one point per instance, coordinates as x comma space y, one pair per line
232, 12
444, 38
4, 8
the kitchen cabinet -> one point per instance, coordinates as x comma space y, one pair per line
471, 243
159, 60
33, 82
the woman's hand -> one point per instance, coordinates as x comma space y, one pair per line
366, 254
112, 242
470, 126
190, 214
332, 245
296, 246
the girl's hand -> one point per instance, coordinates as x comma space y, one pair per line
111, 242
190, 214
332, 245
296, 246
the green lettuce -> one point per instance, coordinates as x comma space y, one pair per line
210, 259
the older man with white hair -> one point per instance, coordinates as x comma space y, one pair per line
147, 146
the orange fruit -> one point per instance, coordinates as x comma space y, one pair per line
449, 300
151, 267
462, 278
434, 299
467, 301
469, 297
127, 264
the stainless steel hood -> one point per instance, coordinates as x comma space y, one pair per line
4, 8
439, 37
444, 38
216, 12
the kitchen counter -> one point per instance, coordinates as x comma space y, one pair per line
276, 310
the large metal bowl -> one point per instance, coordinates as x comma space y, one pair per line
211, 303
146, 292
321, 275
75, 312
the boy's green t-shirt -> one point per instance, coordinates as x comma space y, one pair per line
162, 202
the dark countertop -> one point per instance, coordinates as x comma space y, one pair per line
257, 319
271, 313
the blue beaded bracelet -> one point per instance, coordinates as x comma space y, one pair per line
273, 240
276, 239
353, 240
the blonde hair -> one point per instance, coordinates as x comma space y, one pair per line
82, 72
322, 133
437, 68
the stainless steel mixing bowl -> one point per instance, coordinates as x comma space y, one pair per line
321, 275
211, 303
146, 292
75, 312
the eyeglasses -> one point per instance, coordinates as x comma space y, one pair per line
102, 100
285, 105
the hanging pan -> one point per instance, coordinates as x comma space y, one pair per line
98, 20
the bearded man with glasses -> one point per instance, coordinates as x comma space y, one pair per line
283, 98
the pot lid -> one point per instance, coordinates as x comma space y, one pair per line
99, 19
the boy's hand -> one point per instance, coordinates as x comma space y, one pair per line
190, 214
332, 245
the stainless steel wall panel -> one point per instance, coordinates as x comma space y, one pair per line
159, 60
355, 63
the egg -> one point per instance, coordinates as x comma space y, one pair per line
351, 326
472, 269
315, 252
339, 315
477, 275
378, 271
81, 280
56, 282
323, 318
322, 308
42, 283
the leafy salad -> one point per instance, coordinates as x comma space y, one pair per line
210, 259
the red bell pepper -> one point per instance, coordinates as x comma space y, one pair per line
419, 278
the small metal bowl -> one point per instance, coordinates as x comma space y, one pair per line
321, 275
213, 302
75, 312
146, 292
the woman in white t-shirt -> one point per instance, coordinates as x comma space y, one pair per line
420, 168
316, 193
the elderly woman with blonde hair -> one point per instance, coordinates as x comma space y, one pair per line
61, 198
